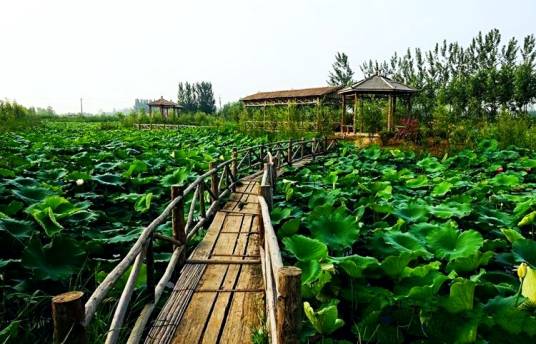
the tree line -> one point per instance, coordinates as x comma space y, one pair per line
472, 82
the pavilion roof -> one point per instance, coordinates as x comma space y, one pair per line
292, 94
164, 103
378, 84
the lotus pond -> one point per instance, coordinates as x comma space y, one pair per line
399, 248
74, 198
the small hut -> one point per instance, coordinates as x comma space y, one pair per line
164, 106
374, 86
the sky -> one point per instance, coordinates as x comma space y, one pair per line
109, 52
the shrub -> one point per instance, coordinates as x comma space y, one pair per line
410, 131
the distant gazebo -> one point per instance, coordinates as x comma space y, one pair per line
374, 86
164, 106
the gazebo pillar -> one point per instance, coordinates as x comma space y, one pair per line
355, 112
343, 112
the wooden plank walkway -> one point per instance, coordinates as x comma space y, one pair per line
219, 302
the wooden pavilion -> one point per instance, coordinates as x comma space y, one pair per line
374, 86
164, 106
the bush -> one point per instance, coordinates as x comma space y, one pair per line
410, 131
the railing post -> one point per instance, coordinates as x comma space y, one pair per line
261, 156
289, 305
68, 314
202, 200
313, 148
289, 152
266, 189
149, 265
177, 214
234, 168
213, 181
302, 148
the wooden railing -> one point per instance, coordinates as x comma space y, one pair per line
282, 283
71, 317
149, 126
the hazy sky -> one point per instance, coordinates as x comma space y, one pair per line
109, 52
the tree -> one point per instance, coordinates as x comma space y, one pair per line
342, 74
186, 96
141, 104
205, 97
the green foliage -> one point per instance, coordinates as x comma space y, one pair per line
408, 248
342, 74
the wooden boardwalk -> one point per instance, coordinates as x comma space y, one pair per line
219, 296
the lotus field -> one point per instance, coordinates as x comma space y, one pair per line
74, 199
396, 248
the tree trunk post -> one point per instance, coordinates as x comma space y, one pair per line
213, 181
177, 214
274, 171
289, 152
313, 148
261, 156
289, 304
302, 148
68, 313
234, 168
149, 264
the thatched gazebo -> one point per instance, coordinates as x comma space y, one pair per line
374, 86
164, 106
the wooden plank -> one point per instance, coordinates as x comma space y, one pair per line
218, 317
201, 304
246, 309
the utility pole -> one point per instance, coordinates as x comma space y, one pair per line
81, 108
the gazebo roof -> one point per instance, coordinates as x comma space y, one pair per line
378, 84
290, 94
164, 103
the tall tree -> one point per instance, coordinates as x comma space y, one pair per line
342, 74
186, 96
205, 97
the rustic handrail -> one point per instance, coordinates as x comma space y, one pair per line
282, 283
218, 182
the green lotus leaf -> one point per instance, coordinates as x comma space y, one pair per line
31, 194
178, 177
50, 210
406, 242
419, 182
289, 228
333, 226
310, 270
461, 296
354, 265
420, 270
511, 234
525, 251
135, 168
382, 189
304, 248
421, 288
441, 189
505, 180
470, 263
502, 312
325, 321
279, 214
108, 179
488, 145
412, 212
451, 209
448, 242
16, 228
430, 165
143, 203
57, 260
393, 266
528, 219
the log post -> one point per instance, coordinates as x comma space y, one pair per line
150, 269
177, 214
234, 168
289, 152
289, 304
261, 156
202, 199
266, 189
68, 314
302, 148
274, 171
213, 181
313, 147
